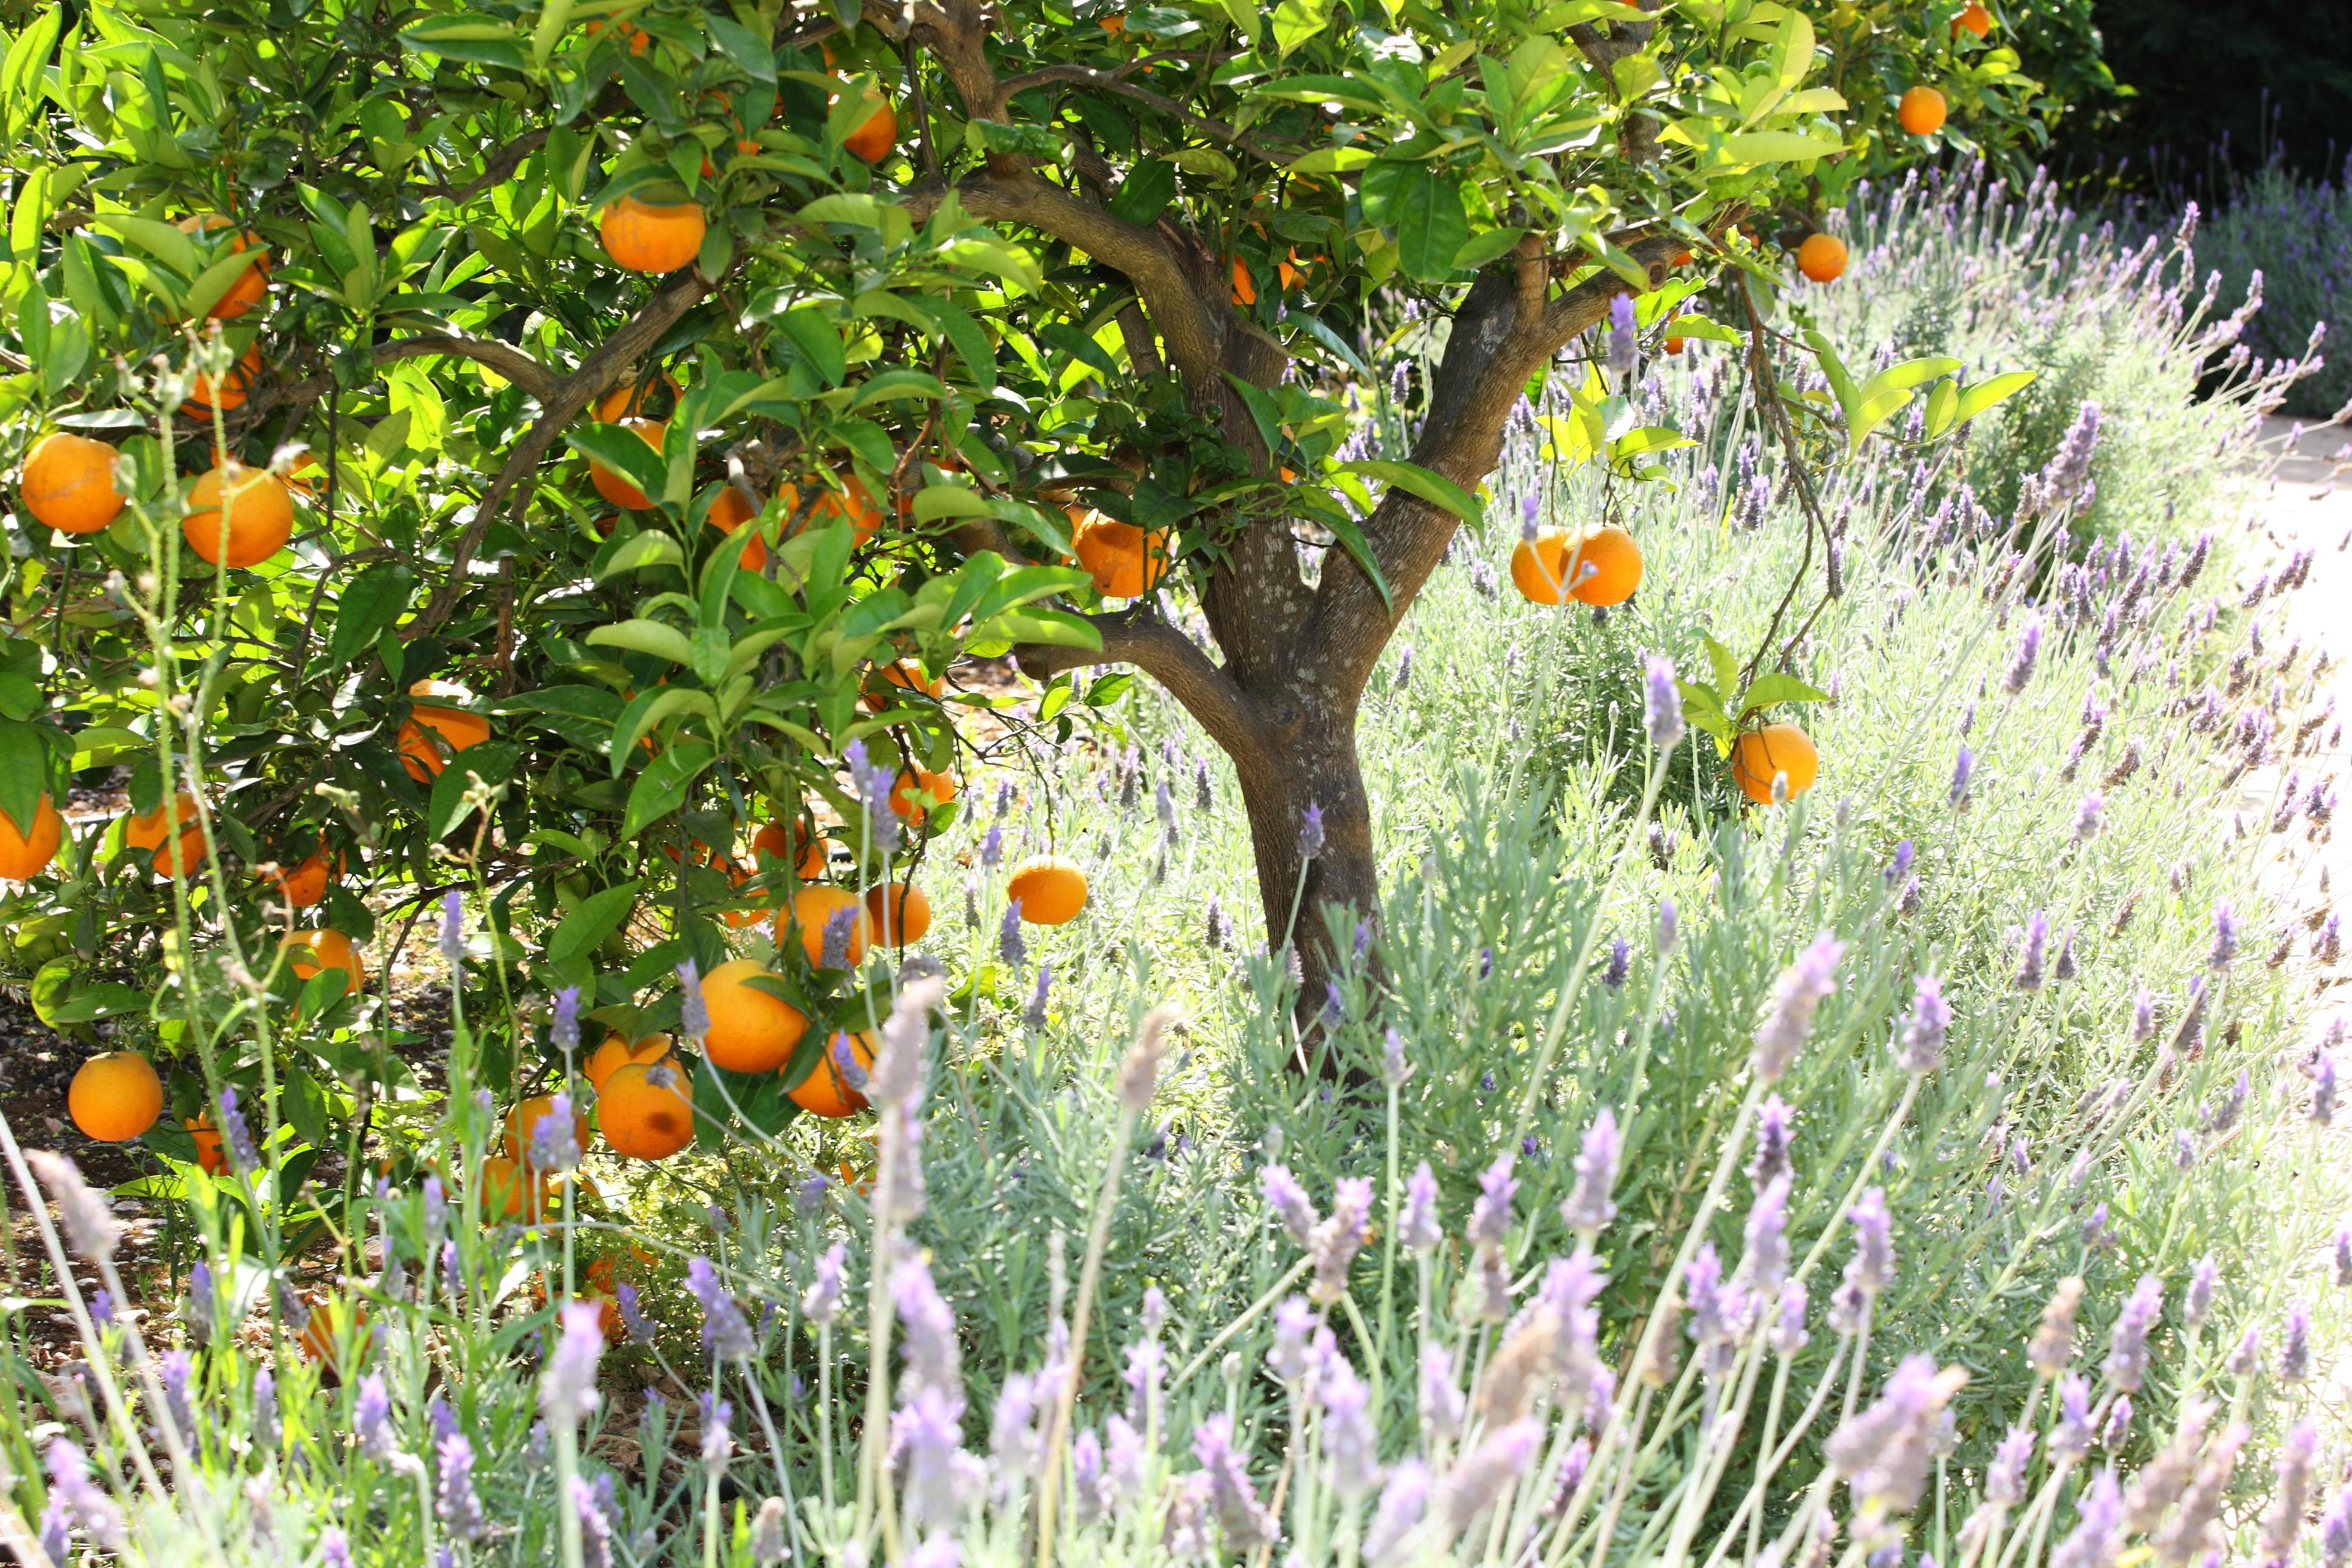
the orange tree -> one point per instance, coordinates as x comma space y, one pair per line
499, 447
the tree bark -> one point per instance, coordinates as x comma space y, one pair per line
1314, 766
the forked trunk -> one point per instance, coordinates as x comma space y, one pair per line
1312, 766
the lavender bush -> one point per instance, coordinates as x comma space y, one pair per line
2296, 235
1919, 1168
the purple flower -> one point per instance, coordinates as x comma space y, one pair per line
1335, 1243
1395, 1070
174, 1370
833, 952
1490, 1217
822, 1300
1871, 1268
1621, 964
453, 927
991, 847
564, 1031
2005, 1478
1009, 944
634, 1320
1900, 867
1232, 1499
725, 1332
595, 1527
2283, 1523
1418, 1227
2294, 1351
1766, 1258
1479, 1478
263, 1422
1963, 766
1398, 1513
1663, 704
455, 1501
1664, 932
1310, 831
1796, 998
1350, 1437
1884, 1452
1288, 1202
567, 1387
1772, 1134
2088, 816
236, 1136
2225, 936
2098, 1529
2020, 667
1922, 1045
1589, 1206
718, 1443
555, 1137
1622, 343
72, 1489
2128, 1343
2197, 1304
2032, 952
933, 1357
694, 1013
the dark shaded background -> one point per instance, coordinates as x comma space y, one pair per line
2217, 88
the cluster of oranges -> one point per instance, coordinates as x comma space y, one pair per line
238, 516
1599, 565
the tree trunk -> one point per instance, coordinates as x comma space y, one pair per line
1310, 762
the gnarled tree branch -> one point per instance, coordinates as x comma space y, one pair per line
1170, 658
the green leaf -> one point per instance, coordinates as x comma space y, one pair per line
1976, 399
642, 636
493, 761
1943, 403
598, 916
933, 502
745, 48
1479, 249
1702, 708
1646, 440
158, 239
1887, 392
652, 547
369, 605
213, 284
23, 772
1696, 326
1413, 479
1351, 538
1146, 191
1775, 147
1726, 667
818, 338
1296, 21
1775, 686
87, 1003
626, 452
662, 787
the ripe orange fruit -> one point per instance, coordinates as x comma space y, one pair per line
115, 1097
616, 1053
453, 728
645, 239
1244, 286
1975, 18
907, 796
306, 884
643, 1119
1597, 566
1921, 110
612, 486
318, 950
239, 516
1675, 345
69, 483
1113, 25
331, 1320
638, 39
1126, 562
752, 1030
212, 1158
188, 850
1758, 756
628, 400
512, 1191
812, 907
524, 1120
906, 674
898, 914
252, 284
878, 133
1049, 889
825, 1091
851, 502
225, 391
1821, 257
27, 854
796, 840
731, 511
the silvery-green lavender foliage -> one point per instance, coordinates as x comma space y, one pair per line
2296, 236
1905, 1168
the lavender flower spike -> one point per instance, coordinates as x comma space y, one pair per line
453, 927
1310, 831
1589, 1208
2127, 1344
2225, 935
694, 1013
1794, 1000
1418, 1227
2020, 667
567, 1388
1963, 767
2033, 952
1921, 1048
1663, 704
